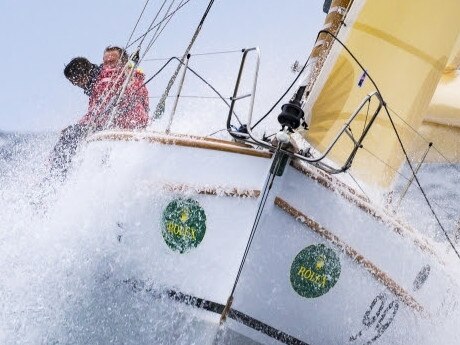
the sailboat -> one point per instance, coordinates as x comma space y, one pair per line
261, 237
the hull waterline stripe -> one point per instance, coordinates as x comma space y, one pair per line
361, 202
217, 191
201, 303
377, 273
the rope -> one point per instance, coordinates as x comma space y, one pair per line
161, 104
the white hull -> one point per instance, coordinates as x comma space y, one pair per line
136, 177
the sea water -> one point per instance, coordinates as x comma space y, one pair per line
62, 284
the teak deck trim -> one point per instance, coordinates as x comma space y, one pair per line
182, 140
377, 273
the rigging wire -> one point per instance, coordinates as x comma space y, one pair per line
395, 171
263, 199
400, 142
160, 29
201, 54
151, 26
425, 139
367, 114
104, 97
359, 186
107, 93
161, 103
386, 164
198, 76
218, 131
156, 25
192, 96
401, 175
135, 26
218, 52
419, 185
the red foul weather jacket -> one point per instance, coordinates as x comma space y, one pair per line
132, 109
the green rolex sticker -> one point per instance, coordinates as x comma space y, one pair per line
184, 224
315, 271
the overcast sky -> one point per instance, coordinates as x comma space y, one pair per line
39, 37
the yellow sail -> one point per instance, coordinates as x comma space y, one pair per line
404, 46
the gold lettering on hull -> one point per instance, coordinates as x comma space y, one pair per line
308, 274
180, 230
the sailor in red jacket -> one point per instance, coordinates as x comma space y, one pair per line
108, 108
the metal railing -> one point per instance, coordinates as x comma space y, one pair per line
317, 161
248, 136
233, 99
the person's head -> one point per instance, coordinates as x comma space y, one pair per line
114, 56
78, 71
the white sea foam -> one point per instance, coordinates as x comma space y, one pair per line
65, 279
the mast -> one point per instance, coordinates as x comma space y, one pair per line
292, 113
332, 23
